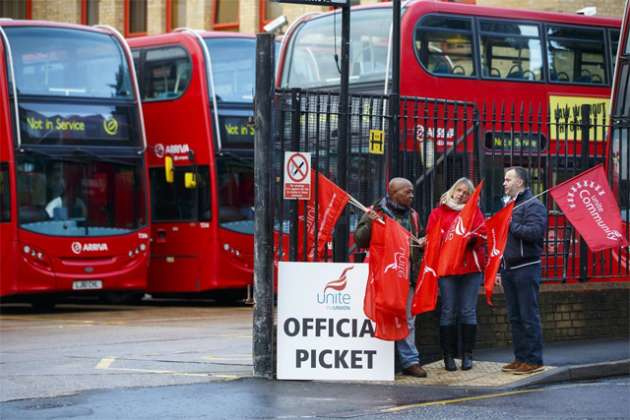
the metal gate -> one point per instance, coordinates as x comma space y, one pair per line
441, 141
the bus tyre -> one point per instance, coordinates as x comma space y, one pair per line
42, 306
122, 298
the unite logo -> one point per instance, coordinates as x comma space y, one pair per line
495, 251
399, 265
336, 299
77, 247
457, 228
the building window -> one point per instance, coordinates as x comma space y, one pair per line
175, 14
135, 17
16, 9
269, 10
89, 12
225, 15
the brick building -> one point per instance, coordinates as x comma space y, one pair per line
139, 17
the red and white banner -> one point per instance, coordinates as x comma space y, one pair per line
589, 204
498, 227
425, 296
332, 201
388, 280
458, 234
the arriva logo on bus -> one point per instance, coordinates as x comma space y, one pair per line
178, 151
78, 247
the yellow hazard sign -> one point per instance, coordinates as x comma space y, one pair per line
566, 116
377, 142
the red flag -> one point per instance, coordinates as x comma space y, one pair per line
588, 203
332, 201
388, 280
498, 227
458, 234
425, 296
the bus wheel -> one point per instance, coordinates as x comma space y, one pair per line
122, 298
231, 296
43, 306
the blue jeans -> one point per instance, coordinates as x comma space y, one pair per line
458, 299
520, 287
406, 348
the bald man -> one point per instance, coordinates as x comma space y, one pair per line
397, 205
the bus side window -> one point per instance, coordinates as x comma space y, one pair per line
166, 73
576, 55
5, 193
510, 50
443, 45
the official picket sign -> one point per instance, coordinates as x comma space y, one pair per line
322, 330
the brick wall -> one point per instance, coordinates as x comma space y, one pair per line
57, 10
568, 312
613, 8
199, 12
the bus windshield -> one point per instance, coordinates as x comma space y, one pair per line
80, 197
236, 193
312, 57
70, 62
233, 68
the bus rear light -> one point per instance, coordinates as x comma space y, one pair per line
27, 249
143, 247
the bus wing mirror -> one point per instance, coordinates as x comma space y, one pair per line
168, 169
190, 180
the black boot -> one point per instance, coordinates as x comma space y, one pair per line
448, 342
469, 335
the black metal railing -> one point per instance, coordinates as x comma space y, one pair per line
442, 140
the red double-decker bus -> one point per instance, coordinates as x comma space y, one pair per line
620, 130
73, 179
482, 89
197, 93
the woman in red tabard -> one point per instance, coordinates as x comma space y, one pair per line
459, 289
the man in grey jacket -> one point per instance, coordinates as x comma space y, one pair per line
397, 205
521, 272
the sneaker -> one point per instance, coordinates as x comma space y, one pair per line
526, 369
511, 367
415, 370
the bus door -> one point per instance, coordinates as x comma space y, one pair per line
181, 228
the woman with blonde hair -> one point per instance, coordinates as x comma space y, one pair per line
459, 290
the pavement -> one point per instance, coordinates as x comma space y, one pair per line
564, 361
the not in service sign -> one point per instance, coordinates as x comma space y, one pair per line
323, 333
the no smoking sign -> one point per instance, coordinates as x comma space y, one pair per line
297, 176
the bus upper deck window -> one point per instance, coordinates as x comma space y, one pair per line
576, 55
166, 73
510, 50
443, 45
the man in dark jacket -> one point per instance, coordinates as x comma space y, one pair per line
397, 205
521, 272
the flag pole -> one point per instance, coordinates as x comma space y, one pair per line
360, 206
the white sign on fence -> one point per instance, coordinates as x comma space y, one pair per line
322, 330
297, 176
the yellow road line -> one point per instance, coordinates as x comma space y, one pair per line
458, 400
175, 373
105, 363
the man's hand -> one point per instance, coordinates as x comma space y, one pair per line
497, 280
373, 215
422, 241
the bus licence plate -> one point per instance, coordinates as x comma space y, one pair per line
87, 285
